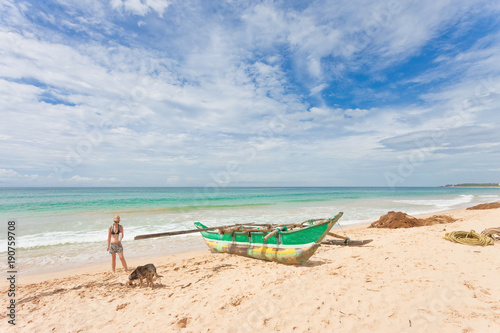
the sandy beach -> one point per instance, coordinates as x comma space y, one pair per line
406, 280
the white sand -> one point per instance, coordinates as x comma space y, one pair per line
406, 280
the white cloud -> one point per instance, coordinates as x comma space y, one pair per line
318, 88
172, 180
9, 177
141, 7
79, 179
112, 179
8, 173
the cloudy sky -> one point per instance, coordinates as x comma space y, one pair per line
249, 93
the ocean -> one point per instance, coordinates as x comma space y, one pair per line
64, 228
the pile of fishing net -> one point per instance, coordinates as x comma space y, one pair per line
491, 205
395, 220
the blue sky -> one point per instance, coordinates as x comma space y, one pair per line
249, 93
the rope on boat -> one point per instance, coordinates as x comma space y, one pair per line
468, 238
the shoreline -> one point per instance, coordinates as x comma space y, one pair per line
99, 267
104, 268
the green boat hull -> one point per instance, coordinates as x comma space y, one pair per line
289, 247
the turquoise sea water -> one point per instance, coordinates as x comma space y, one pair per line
59, 228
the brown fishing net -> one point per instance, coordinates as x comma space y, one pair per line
394, 220
491, 205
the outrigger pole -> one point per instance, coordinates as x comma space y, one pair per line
268, 228
181, 232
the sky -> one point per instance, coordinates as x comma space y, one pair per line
249, 93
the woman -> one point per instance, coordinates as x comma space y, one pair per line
115, 235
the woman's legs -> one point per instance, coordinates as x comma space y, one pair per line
124, 263
113, 261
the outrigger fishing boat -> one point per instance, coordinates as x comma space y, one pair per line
288, 243
285, 243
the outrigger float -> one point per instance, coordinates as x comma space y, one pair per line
284, 243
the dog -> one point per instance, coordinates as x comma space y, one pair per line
147, 272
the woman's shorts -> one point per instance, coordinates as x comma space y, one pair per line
115, 248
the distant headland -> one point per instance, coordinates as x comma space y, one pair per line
473, 185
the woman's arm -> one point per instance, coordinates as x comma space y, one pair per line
109, 238
121, 234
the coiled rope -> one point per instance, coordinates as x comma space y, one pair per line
468, 238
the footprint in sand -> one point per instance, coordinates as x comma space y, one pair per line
182, 323
121, 306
